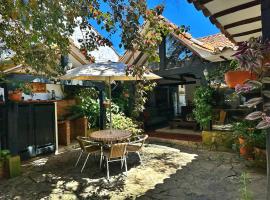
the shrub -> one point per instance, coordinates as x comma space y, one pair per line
203, 105
122, 122
88, 105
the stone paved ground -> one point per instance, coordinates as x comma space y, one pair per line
167, 173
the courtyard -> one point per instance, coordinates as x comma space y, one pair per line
168, 171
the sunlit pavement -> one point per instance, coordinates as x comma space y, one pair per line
176, 172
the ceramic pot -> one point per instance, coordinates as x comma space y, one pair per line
244, 149
260, 157
260, 153
15, 96
232, 78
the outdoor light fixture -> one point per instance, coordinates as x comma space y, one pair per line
205, 73
70, 65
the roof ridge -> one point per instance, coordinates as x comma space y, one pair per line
211, 35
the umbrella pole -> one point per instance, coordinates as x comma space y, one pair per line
110, 97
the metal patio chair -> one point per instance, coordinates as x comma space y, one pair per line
87, 147
136, 145
116, 152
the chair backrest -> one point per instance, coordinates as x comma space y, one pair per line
142, 139
222, 116
118, 150
82, 141
139, 139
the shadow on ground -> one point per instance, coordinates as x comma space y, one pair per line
166, 173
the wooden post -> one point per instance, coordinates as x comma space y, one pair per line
56, 128
162, 54
265, 12
102, 110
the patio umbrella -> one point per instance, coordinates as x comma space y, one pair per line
104, 71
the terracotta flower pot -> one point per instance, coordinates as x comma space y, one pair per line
261, 153
260, 157
244, 149
232, 78
15, 96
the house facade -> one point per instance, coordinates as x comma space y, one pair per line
183, 60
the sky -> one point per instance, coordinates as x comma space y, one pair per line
180, 12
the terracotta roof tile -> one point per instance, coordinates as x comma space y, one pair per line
217, 41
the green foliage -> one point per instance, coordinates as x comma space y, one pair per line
203, 105
122, 96
246, 129
218, 72
88, 105
242, 129
245, 194
259, 139
21, 86
38, 31
122, 122
4, 154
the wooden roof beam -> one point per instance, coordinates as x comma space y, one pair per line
236, 8
200, 1
246, 33
242, 22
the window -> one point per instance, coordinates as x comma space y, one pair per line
176, 53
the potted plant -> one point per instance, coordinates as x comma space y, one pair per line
107, 103
4, 155
242, 132
234, 76
233, 100
253, 55
15, 95
259, 138
19, 89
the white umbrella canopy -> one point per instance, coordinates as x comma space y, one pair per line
105, 71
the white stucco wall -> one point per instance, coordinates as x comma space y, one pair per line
58, 90
102, 54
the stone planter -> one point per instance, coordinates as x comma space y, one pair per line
218, 140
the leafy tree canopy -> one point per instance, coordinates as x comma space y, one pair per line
38, 31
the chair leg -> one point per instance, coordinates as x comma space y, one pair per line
125, 160
122, 162
79, 158
139, 156
85, 162
108, 172
101, 159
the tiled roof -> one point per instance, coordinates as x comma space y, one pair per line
217, 41
187, 37
210, 47
213, 43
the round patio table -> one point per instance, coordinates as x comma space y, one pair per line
109, 136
